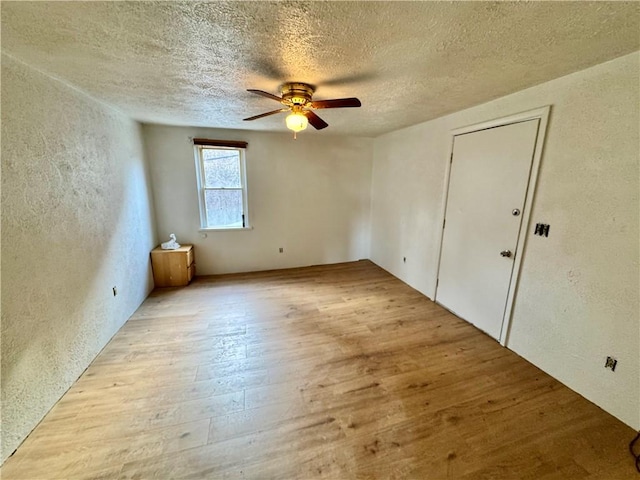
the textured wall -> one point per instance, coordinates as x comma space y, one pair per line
578, 296
76, 221
310, 196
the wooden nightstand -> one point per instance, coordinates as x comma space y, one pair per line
173, 268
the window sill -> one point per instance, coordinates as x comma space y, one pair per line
223, 229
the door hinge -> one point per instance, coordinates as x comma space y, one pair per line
451, 159
437, 282
443, 223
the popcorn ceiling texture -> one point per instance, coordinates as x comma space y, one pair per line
76, 221
189, 63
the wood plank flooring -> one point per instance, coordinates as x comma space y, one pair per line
333, 372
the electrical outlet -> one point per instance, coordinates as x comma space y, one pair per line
281, 250
611, 363
115, 291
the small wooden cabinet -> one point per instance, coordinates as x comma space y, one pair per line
173, 268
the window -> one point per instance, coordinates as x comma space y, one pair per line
222, 186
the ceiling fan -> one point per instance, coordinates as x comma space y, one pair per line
297, 99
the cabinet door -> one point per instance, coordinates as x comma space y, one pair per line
171, 267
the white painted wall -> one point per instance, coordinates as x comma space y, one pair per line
578, 297
76, 221
310, 196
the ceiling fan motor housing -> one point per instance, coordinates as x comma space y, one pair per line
297, 93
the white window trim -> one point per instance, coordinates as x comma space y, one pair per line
201, 189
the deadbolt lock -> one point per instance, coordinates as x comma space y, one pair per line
515, 212
505, 253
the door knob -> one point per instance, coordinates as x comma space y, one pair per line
505, 253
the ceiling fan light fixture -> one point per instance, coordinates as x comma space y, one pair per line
296, 121
297, 99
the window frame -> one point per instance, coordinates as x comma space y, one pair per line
198, 150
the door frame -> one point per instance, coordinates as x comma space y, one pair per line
542, 114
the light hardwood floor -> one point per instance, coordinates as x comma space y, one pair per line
335, 372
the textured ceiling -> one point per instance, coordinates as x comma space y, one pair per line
190, 63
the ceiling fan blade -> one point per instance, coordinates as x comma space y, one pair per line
336, 103
265, 94
266, 114
315, 120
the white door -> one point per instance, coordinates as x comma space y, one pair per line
487, 188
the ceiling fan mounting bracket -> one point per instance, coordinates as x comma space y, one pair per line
295, 93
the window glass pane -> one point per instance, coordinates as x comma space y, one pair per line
221, 168
224, 208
